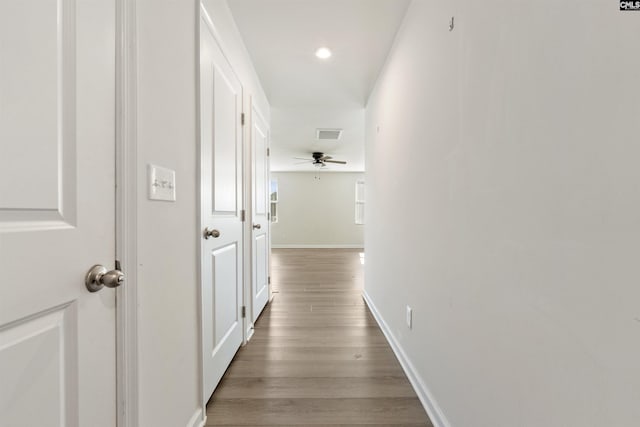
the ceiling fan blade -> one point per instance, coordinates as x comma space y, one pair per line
301, 163
326, 158
341, 162
303, 158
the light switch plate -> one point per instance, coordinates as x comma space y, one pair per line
162, 183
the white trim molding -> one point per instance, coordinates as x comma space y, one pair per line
196, 35
199, 418
249, 332
126, 214
426, 398
298, 246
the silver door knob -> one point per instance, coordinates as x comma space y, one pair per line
211, 233
257, 226
98, 277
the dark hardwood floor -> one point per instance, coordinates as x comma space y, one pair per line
317, 356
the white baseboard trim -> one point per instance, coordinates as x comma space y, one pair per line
430, 405
354, 246
250, 332
198, 419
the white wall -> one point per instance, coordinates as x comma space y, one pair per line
237, 54
314, 212
293, 134
168, 232
503, 202
167, 292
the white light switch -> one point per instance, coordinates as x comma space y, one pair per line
162, 183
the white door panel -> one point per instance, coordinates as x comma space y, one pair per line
225, 315
225, 131
221, 196
37, 113
57, 187
38, 364
261, 223
261, 291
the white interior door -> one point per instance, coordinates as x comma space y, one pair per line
260, 208
221, 202
57, 184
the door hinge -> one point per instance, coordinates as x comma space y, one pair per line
269, 216
242, 215
244, 311
242, 119
269, 280
268, 152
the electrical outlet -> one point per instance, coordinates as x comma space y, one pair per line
409, 317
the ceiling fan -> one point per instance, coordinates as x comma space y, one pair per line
319, 160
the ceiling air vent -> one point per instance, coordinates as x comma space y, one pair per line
328, 134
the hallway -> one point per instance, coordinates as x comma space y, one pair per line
317, 356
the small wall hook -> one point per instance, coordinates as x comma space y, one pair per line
452, 23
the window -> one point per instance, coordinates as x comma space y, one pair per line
274, 200
360, 202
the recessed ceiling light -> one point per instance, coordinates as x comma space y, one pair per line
323, 53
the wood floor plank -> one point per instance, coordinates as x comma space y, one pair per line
284, 412
315, 368
318, 332
318, 295
329, 309
317, 356
332, 425
263, 352
325, 341
319, 321
348, 387
312, 316
352, 312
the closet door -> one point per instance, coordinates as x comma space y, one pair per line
221, 178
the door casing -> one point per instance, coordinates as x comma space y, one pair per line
126, 214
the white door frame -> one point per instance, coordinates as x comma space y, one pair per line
248, 232
126, 215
